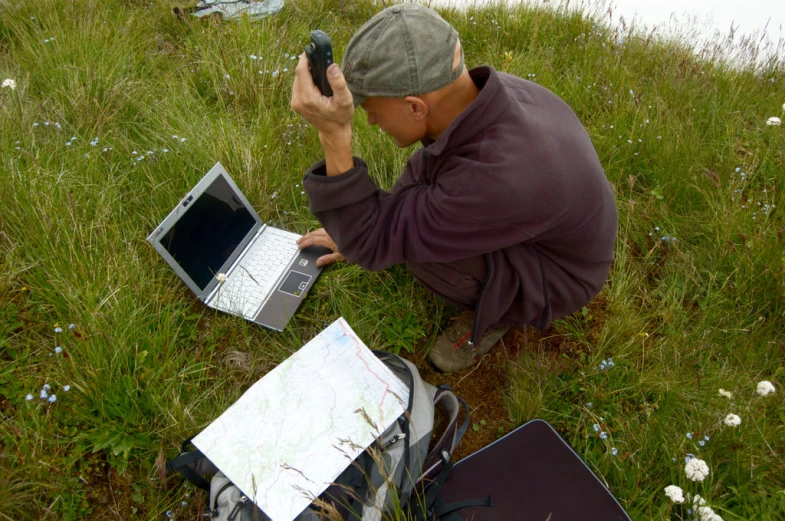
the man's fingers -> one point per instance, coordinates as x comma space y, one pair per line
303, 83
316, 238
324, 260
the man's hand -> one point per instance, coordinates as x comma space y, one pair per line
331, 116
321, 238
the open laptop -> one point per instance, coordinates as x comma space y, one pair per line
216, 242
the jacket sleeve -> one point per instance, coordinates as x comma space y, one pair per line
422, 222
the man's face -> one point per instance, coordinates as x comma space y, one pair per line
396, 118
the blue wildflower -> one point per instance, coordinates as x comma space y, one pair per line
589, 405
58, 350
52, 399
604, 435
701, 443
706, 438
29, 397
596, 427
66, 388
71, 326
614, 451
58, 330
46, 387
689, 435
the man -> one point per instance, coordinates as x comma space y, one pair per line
505, 210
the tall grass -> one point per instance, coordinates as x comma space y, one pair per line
90, 164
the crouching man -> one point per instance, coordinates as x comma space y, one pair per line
504, 210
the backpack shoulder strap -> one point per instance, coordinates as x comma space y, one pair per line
453, 433
191, 464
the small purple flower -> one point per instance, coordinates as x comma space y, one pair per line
58, 350
52, 399
44, 395
604, 435
689, 435
29, 397
614, 451
596, 427
66, 388
72, 326
701, 443
58, 329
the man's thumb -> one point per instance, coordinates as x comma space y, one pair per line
335, 77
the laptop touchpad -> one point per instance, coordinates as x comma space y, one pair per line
295, 283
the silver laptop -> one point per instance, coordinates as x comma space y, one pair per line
234, 262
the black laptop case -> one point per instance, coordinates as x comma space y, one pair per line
531, 474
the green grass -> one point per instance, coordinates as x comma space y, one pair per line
148, 365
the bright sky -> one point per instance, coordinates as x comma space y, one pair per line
702, 20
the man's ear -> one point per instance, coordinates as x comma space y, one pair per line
418, 107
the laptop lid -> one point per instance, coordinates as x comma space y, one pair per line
207, 231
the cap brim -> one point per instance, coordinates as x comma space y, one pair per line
358, 99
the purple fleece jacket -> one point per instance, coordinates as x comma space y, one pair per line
515, 178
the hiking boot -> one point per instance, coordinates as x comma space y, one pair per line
454, 349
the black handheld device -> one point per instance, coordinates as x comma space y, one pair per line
320, 56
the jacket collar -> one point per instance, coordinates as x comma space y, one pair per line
492, 100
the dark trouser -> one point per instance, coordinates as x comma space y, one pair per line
456, 282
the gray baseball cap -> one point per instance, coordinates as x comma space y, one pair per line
405, 50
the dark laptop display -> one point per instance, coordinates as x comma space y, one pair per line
209, 231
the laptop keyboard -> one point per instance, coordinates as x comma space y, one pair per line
252, 279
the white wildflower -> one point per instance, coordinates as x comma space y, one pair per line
698, 501
676, 494
221, 277
11, 84
765, 388
732, 420
696, 469
726, 394
703, 511
772, 121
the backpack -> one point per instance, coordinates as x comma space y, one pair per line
388, 476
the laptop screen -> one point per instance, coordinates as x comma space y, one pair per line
210, 230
